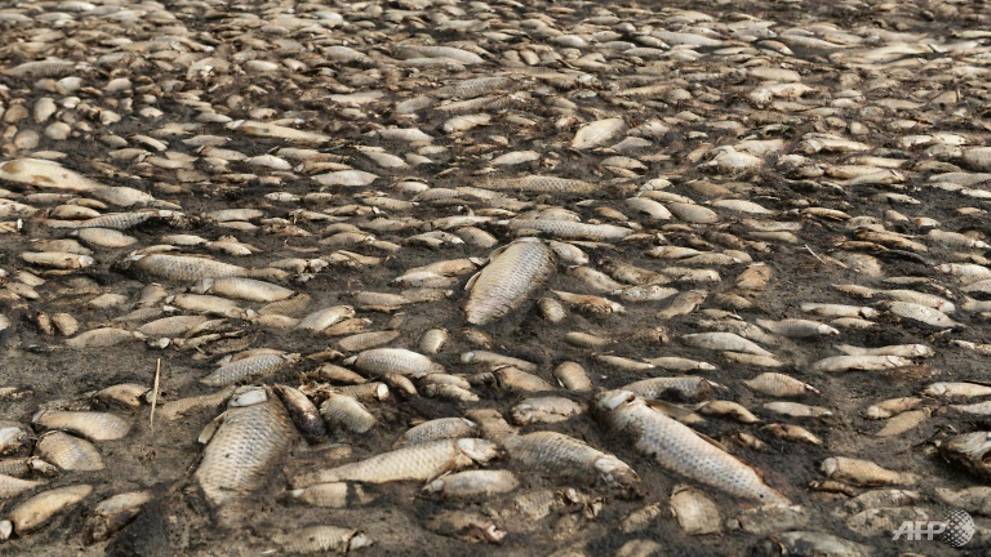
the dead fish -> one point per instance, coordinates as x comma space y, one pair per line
798, 328
677, 447
303, 412
560, 453
348, 412
324, 318
95, 426
57, 259
433, 341
900, 350
570, 230
248, 369
69, 452
436, 429
14, 437
513, 274
597, 133
950, 390
322, 539
383, 361
922, 314
860, 363
695, 513
473, 483
728, 409
175, 409
864, 472
683, 388
336, 495
546, 410
572, 376
780, 385
970, 450
887, 408
797, 410
35, 512
11, 486
804, 542
975, 499
113, 513
243, 289
248, 443
538, 183
182, 268
724, 341
475, 526
421, 462
101, 337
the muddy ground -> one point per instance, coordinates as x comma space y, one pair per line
180, 522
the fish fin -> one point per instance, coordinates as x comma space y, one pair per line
211, 428
472, 280
851, 350
669, 409
711, 441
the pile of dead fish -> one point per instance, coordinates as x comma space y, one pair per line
559, 278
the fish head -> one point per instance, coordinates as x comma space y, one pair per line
248, 396
824, 329
611, 400
617, 472
125, 263
203, 286
479, 450
974, 446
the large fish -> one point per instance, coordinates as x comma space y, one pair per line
416, 462
513, 274
246, 446
680, 449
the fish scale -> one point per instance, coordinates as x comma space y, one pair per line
181, 268
248, 444
416, 462
780, 201
678, 448
568, 455
511, 276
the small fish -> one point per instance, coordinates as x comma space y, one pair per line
113, 513
384, 361
35, 512
421, 462
303, 413
69, 452
246, 369
95, 426
473, 483
564, 454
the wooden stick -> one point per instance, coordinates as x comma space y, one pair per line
154, 393
821, 260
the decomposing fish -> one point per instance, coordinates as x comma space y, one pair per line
248, 443
513, 274
677, 447
420, 462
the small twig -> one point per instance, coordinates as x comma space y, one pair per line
154, 394
823, 261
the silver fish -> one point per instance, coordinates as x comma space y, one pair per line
513, 274
677, 447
